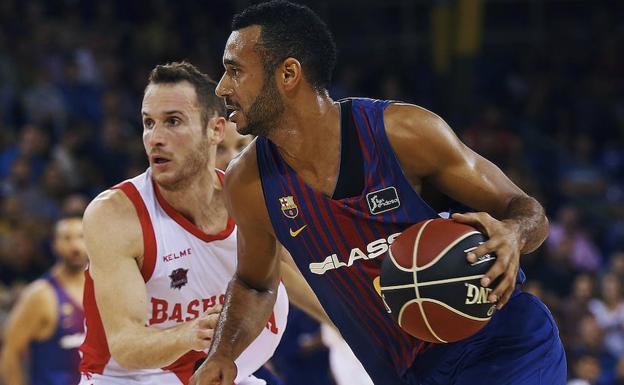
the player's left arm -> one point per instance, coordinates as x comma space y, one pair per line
29, 321
515, 223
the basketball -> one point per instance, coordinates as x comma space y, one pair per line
429, 286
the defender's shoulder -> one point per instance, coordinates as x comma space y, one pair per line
111, 222
109, 207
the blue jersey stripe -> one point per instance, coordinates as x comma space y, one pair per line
365, 280
359, 281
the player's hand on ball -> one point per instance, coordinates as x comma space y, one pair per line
505, 242
201, 329
216, 370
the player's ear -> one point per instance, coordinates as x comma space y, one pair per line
290, 73
216, 129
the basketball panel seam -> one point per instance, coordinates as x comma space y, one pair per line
415, 268
446, 250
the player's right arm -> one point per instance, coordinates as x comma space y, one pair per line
114, 241
253, 289
30, 320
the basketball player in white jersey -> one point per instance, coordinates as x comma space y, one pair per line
162, 248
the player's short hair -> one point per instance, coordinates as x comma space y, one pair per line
178, 72
66, 216
292, 30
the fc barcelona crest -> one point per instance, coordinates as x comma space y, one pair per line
289, 207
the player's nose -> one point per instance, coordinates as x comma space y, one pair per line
223, 89
156, 136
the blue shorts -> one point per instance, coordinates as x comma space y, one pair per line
520, 346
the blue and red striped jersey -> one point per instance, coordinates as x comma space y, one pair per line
339, 244
55, 361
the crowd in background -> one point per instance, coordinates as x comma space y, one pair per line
546, 105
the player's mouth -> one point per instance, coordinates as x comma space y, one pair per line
233, 112
159, 161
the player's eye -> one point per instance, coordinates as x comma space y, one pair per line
173, 121
148, 123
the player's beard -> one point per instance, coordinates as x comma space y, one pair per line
75, 263
195, 163
266, 111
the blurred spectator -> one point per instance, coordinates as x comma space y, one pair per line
82, 97
614, 230
392, 88
616, 265
44, 200
44, 103
19, 179
569, 240
589, 341
581, 177
554, 272
8, 82
10, 214
619, 372
69, 154
534, 287
22, 258
33, 146
576, 305
74, 203
609, 313
491, 138
112, 152
587, 371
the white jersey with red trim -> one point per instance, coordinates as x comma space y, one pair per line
186, 272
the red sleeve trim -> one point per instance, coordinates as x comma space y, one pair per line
149, 238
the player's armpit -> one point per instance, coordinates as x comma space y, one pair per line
32, 319
114, 241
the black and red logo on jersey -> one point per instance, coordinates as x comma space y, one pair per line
178, 278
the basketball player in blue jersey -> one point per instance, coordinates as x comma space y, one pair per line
334, 183
46, 326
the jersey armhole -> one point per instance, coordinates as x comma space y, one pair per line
149, 238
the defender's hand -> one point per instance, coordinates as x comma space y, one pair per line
216, 370
505, 242
201, 330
